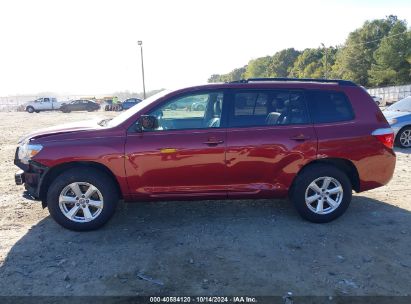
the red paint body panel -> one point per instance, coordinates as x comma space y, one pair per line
253, 162
352, 141
262, 162
107, 150
194, 169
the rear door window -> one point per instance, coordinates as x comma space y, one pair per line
329, 106
268, 108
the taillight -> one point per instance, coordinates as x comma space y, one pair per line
385, 136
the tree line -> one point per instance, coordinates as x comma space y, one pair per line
377, 54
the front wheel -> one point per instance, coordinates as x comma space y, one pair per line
30, 109
403, 139
82, 200
321, 193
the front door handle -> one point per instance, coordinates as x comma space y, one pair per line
213, 142
300, 137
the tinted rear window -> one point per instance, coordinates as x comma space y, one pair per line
268, 108
329, 106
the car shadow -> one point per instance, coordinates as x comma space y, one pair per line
255, 247
402, 150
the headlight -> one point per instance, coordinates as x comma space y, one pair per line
392, 121
27, 151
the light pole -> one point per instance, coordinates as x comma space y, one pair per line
140, 43
325, 68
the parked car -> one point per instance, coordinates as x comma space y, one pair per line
184, 103
80, 105
108, 105
311, 140
399, 117
43, 104
198, 105
128, 103
378, 100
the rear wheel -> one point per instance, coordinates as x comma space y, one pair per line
321, 193
200, 108
30, 109
82, 200
403, 138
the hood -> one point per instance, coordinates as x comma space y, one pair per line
85, 125
394, 114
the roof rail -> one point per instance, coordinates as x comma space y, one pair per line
338, 81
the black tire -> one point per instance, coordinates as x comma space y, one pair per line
200, 108
403, 132
30, 109
305, 178
100, 180
120, 108
90, 109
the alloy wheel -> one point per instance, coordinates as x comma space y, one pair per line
405, 138
81, 202
324, 195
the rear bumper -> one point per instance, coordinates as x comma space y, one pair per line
377, 170
396, 130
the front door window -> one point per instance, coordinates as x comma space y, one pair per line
197, 111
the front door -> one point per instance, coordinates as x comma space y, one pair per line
45, 104
184, 157
269, 139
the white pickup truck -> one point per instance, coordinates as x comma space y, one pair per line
43, 104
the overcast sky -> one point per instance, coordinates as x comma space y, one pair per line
90, 47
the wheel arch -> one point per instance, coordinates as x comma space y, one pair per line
53, 172
342, 164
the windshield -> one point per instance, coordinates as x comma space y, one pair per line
130, 112
404, 105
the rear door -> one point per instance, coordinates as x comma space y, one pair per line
269, 138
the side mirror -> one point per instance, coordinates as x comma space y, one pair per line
148, 122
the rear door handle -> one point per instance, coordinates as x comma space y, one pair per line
213, 142
300, 137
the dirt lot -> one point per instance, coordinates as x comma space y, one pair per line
203, 248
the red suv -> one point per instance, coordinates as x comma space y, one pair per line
311, 140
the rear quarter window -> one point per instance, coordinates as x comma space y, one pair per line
329, 106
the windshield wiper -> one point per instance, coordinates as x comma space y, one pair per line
104, 122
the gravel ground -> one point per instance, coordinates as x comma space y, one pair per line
252, 247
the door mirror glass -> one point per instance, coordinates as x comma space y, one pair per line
148, 122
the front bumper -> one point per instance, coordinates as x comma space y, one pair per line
31, 176
19, 177
396, 130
